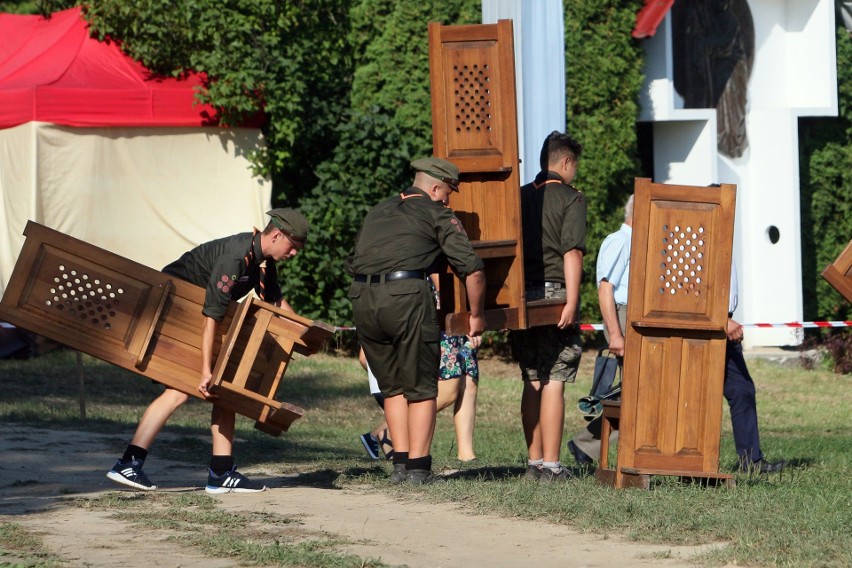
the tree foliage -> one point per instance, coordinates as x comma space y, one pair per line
369, 164
603, 65
392, 66
19, 7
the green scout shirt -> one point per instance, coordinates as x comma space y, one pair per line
554, 222
411, 232
228, 268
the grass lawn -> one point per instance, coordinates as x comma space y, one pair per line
802, 517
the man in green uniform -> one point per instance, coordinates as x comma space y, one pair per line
554, 230
229, 268
402, 241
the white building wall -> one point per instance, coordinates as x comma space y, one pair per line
794, 75
539, 72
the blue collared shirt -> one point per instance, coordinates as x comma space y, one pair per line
614, 262
733, 295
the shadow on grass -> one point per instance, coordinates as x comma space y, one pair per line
56, 375
487, 473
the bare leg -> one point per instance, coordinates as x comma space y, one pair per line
379, 430
156, 416
396, 413
222, 428
530, 412
448, 392
552, 419
421, 427
465, 417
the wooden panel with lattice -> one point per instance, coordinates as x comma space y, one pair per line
674, 363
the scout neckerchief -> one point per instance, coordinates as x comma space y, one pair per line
547, 181
403, 195
249, 259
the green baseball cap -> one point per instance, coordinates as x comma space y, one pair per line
440, 169
291, 223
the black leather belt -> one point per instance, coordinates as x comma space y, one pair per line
370, 279
540, 284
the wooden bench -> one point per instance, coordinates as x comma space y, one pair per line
609, 421
145, 321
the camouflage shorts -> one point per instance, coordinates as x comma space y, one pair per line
547, 352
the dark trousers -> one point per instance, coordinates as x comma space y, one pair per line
740, 394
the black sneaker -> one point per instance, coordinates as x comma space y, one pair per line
533, 473
421, 477
371, 445
398, 475
762, 467
232, 482
131, 474
549, 475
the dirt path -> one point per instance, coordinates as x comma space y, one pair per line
38, 472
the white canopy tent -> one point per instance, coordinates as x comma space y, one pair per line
146, 193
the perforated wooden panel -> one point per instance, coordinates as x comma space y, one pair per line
473, 95
472, 121
675, 347
69, 297
683, 260
474, 125
87, 299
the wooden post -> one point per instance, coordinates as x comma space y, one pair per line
81, 381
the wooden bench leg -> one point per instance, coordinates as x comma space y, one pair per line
606, 428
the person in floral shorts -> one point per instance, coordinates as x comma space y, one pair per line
458, 385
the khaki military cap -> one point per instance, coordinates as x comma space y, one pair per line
291, 223
440, 169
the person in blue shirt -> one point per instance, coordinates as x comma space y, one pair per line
739, 389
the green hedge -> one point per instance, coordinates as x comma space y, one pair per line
603, 66
826, 193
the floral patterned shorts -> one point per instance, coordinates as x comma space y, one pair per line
457, 358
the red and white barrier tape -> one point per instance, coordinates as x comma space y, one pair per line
794, 324
802, 324
599, 326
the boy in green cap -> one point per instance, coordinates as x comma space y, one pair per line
229, 269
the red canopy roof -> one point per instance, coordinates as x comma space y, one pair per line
650, 16
52, 71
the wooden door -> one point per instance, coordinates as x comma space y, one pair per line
680, 273
474, 125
